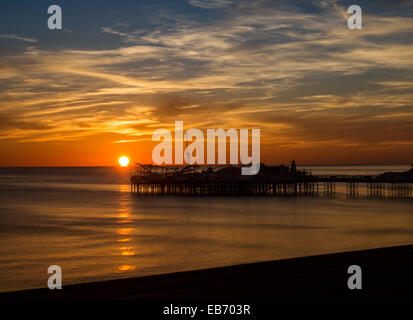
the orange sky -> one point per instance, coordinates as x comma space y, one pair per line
320, 93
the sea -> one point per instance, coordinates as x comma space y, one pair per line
85, 220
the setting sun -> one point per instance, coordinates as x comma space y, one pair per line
123, 161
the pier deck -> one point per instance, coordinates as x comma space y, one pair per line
216, 184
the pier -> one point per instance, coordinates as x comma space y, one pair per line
271, 181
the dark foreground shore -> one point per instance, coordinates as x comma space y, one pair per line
386, 274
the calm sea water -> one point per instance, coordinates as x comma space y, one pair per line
86, 221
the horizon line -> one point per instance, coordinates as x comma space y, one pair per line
208, 165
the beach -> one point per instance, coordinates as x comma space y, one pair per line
386, 274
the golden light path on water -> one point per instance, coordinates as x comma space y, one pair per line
126, 248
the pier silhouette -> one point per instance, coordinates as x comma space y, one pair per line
270, 181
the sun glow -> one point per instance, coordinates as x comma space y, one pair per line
123, 161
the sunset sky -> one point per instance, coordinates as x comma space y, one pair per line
96, 90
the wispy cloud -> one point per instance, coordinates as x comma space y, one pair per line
210, 4
16, 37
300, 75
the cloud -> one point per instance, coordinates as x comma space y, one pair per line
210, 4
299, 75
16, 37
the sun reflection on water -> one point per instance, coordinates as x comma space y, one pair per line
126, 267
124, 217
128, 253
124, 231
